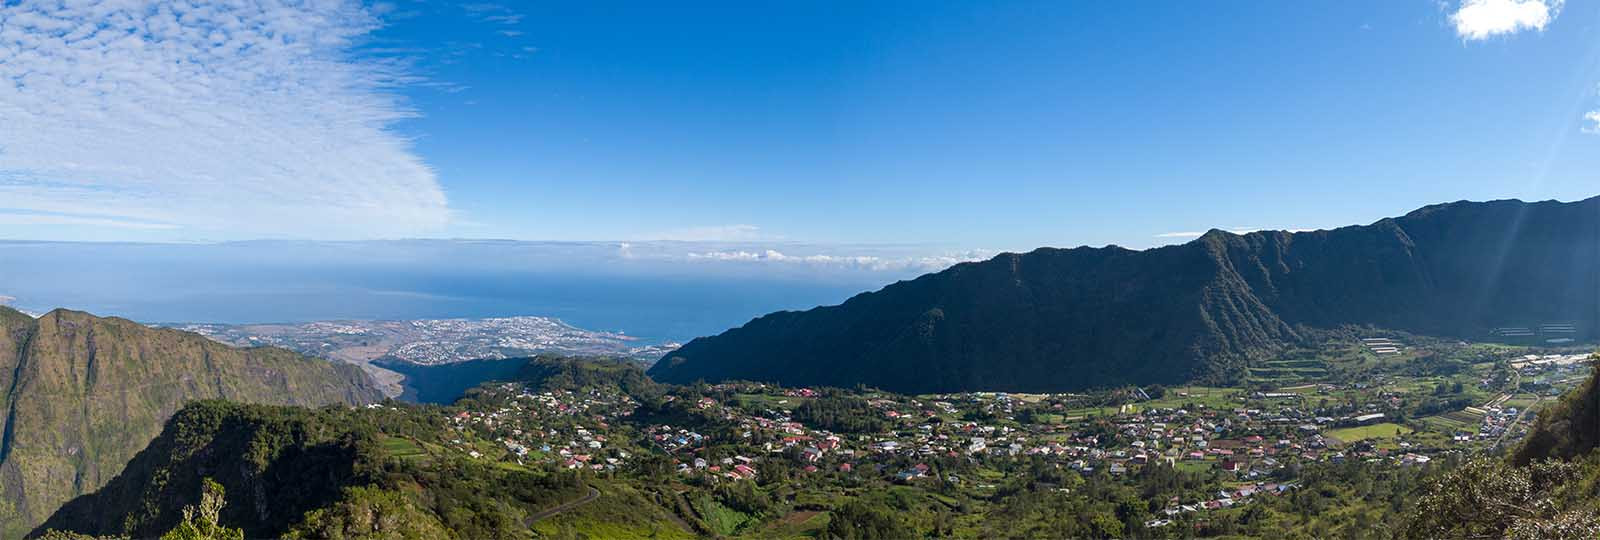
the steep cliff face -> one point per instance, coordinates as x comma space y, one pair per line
80, 395
1055, 319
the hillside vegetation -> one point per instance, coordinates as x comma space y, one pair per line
445, 383
1550, 490
1571, 429
322, 473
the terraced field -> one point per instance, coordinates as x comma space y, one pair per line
1454, 421
1289, 371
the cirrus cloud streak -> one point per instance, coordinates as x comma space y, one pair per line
876, 263
225, 119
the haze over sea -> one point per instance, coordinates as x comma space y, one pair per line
659, 291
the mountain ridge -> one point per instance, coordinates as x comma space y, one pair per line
1201, 309
84, 393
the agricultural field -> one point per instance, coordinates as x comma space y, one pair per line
403, 448
1209, 396
1375, 431
768, 401
1453, 422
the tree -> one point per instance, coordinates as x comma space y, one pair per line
200, 523
860, 521
369, 513
1105, 525
1156, 391
1485, 498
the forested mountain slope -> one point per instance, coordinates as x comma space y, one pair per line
1067, 319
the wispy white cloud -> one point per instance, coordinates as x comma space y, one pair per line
1181, 234
1483, 19
32, 219
494, 13
878, 263
797, 256
231, 118
712, 233
1591, 120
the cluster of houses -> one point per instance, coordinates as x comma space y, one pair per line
1253, 438
1246, 441
1253, 441
733, 468
773, 435
1250, 442
563, 427
1497, 421
1226, 498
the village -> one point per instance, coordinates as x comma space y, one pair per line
1250, 441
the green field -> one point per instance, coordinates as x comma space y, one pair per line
403, 448
1049, 418
1444, 424
1210, 396
763, 401
723, 520
1453, 422
620, 512
1090, 411
1521, 401
1374, 431
798, 524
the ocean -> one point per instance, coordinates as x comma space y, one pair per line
658, 296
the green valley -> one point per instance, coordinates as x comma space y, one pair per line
1316, 457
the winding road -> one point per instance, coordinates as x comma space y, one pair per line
594, 493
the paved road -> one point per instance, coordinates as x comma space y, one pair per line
593, 494
1520, 415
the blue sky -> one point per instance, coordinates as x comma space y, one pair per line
963, 125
